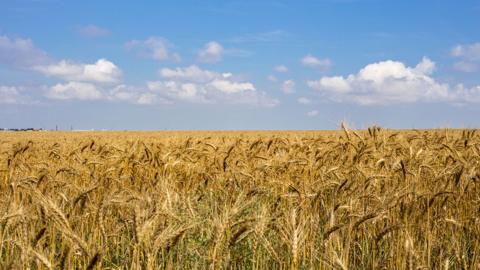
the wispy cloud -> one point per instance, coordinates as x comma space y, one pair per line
21, 53
465, 66
13, 95
469, 55
468, 51
156, 48
281, 69
92, 31
272, 78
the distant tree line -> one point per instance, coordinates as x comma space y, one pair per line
21, 129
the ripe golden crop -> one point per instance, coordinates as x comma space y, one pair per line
373, 199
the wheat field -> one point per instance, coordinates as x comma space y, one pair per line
366, 199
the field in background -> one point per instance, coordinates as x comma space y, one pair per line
373, 199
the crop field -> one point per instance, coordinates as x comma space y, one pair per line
366, 199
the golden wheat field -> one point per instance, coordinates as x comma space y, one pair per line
371, 199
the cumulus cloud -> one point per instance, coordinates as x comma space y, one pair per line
337, 84
229, 87
189, 84
89, 91
192, 73
93, 31
220, 81
193, 84
74, 90
281, 69
390, 82
211, 52
136, 95
212, 92
288, 87
102, 71
119, 93
156, 48
425, 67
316, 63
100, 80
21, 53
469, 55
12, 95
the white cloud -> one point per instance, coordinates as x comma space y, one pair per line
467, 95
192, 73
304, 100
102, 71
229, 87
288, 87
196, 85
425, 67
21, 53
220, 81
390, 82
211, 52
383, 83
123, 93
190, 84
281, 69
93, 31
12, 95
312, 113
136, 95
470, 55
88, 91
469, 52
316, 63
156, 48
337, 84
212, 92
178, 90
74, 90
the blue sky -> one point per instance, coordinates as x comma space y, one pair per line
239, 64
